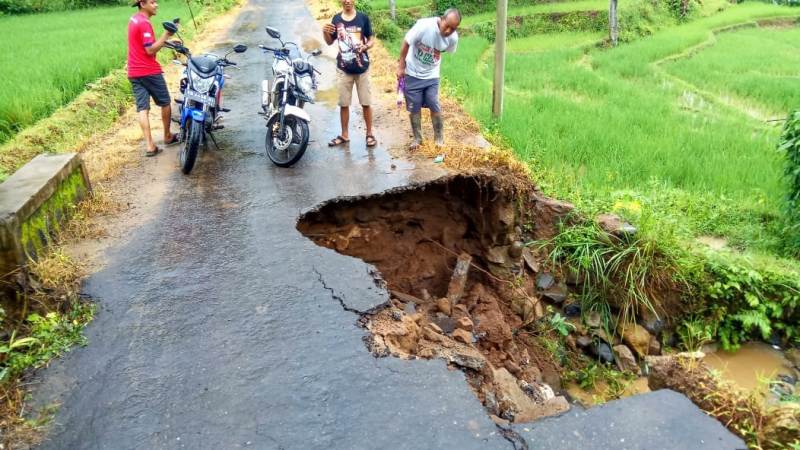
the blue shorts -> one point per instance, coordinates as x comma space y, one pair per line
422, 94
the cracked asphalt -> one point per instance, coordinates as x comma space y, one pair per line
219, 326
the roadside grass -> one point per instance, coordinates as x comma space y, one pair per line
378, 5
97, 107
602, 125
539, 8
63, 52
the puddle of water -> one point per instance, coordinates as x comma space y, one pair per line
753, 362
594, 396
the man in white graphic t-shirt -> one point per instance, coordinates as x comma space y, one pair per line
420, 58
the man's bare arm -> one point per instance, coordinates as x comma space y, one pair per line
401, 66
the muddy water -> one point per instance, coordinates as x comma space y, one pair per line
595, 395
753, 363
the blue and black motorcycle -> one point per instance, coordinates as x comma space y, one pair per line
201, 86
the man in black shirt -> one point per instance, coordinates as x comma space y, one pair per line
352, 32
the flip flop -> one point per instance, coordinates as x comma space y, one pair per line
153, 152
338, 140
174, 140
371, 141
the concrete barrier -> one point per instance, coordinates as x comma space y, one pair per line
34, 202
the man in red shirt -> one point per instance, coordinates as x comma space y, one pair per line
145, 73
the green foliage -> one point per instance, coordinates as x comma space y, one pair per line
625, 271
790, 147
740, 300
387, 30
556, 22
38, 6
49, 336
559, 324
693, 333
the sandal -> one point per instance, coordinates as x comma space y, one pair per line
153, 152
173, 140
338, 140
371, 141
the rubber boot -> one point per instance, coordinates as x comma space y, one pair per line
438, 129
416, 127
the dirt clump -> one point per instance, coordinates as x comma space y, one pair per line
451, 254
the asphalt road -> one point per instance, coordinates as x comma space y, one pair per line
219, 326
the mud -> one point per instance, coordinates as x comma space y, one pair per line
752, 366
414, 236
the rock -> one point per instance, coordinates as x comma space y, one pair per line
613, 224
516, 405
594, 319
490, 402
637, 338
547, 215
530, 260
603, 353
443, 304
425, 295
445, 323
427, 353
462, 336
652, 323
410, 308
570, 340
464, 323
572, 309
515, 250
552, 407
544, 281
512, 367
499, 420
397, 315
655, 347
574, 277
793, 355
539, 392
583, 341
526, 308
556, 294
625, 359
531, 374
465, 357
434, 328
498, 255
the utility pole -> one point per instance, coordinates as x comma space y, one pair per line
613, 23
499, 58
393, 9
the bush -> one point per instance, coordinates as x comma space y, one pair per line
523, 26
38, 6
387, 30
790, 146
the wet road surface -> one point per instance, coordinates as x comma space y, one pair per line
219, 326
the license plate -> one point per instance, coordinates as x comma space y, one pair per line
201, 98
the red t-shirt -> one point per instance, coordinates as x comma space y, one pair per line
140, 35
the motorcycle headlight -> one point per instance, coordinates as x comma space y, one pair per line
201, 85
306, 86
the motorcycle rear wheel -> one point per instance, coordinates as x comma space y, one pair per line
296, 130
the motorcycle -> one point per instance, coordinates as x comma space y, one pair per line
282, 99
201, 86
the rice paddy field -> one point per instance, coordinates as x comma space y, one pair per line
48, 59
677, 122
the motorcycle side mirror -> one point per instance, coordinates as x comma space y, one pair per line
176, 20
240, 48
275, 34
316, 52
171, 27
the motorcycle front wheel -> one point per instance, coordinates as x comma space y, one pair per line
188, 154
285, 149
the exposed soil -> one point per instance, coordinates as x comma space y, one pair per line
417, 237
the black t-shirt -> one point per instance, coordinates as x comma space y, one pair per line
348, 35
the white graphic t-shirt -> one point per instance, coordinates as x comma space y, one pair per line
426, 45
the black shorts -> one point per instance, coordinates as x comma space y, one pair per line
150, 86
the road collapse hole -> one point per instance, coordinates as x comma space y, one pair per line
461, 283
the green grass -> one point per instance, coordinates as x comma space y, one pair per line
540, 8
378, 5
48, 59
602, 125
764, 65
